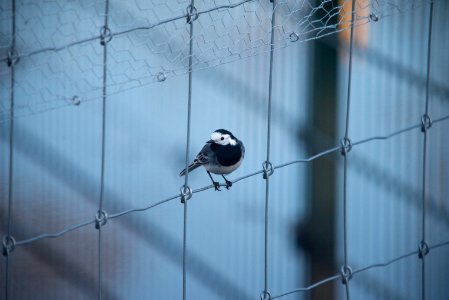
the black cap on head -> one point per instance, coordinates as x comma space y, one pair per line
224, 131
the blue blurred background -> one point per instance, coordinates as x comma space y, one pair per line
57, 151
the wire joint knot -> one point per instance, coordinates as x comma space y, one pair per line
13, 57
105, 35
9, 244
346, 146
192, 14
426, 122
268, 169
101, 218
346, 274
265, 295
294, 37
373, 17
186, 193
423, 249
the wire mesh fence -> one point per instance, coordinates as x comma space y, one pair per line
59, 41
182, 37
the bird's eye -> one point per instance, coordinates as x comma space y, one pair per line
222, 138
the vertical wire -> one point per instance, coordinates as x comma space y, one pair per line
346, 139
103, 131
11, 145
348, 100
103, 137
186, 179
267, 179
423, 242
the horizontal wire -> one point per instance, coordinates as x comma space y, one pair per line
113, 216
198, 190
54, 235
97, 37
378, 265
310, 287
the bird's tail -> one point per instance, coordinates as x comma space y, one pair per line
191, 167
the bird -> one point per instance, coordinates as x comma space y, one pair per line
221, 155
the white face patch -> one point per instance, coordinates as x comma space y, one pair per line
223, 139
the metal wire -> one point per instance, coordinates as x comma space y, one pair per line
190, 20
118, 33
356, 271
242, 178
299, 22
423, 244
267, 163
104, 42
346, 270
346, 146
306, 160
11, 146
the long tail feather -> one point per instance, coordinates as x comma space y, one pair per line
191, 167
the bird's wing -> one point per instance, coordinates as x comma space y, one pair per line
202, 158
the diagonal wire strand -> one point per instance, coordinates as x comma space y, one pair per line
356, 271
284, 41
118, 33
242, 178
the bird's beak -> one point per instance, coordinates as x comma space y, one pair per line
210, 141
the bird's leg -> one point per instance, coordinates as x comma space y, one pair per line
216, 184
228, 183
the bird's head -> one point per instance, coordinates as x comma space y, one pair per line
223, 137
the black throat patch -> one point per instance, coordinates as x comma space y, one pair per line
227, 155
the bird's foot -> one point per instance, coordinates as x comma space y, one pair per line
228, 184
216, 185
